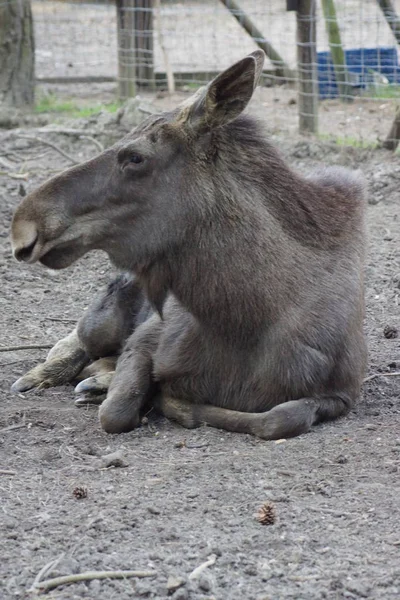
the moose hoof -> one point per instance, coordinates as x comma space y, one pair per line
93, 399
98, 384
23, 384
115, 420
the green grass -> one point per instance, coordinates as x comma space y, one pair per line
383, 92
347, 141
51, 104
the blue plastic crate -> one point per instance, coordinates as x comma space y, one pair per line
361, 63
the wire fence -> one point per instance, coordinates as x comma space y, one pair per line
153, 44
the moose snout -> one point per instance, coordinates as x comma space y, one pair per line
24, 238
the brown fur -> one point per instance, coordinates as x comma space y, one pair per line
254, 272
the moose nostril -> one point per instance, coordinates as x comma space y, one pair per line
24, 253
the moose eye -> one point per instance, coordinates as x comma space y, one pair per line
135, 158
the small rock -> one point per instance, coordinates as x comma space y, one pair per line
181, 594
205, 583
115, 459
153, 510
341, 459
371, 427
174, 583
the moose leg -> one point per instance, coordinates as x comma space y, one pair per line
132, 383
285, 420
101, 331
63, 363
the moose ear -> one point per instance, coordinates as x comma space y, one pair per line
225, 97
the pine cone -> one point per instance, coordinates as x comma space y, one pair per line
80, 492
390, 332
266, 514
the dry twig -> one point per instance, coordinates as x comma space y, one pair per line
50, 584
375, 375
25, 347
195, 574
98, 144
40, 140
7, 472
12, 427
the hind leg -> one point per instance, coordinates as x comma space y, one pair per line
283, 421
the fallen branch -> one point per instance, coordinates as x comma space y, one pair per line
15, 175
98, 144
375, 375
64, 131
5, 163
195, 574
44, 571
50, 584
25, 347
34, 138
6, 472
13, 427
60, 320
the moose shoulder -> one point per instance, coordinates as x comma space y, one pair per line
254, 272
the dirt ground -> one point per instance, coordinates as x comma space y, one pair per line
186, 496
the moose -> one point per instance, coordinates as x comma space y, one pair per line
240, 300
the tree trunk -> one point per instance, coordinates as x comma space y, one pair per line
17, 57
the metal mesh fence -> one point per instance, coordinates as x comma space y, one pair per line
148, 44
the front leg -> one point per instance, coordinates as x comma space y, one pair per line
63, 363
133, 382
95, 380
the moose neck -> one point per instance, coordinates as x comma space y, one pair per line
228, 269
239, 263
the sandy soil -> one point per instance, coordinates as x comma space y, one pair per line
186, 495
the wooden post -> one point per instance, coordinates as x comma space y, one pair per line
336, 48
391, 17
393, 138
126, 49
135, 46
307, 66
282, 69
144, 43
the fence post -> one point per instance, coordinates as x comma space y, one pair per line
135, 45
144, 43
307, 66
126, 49
337, 52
